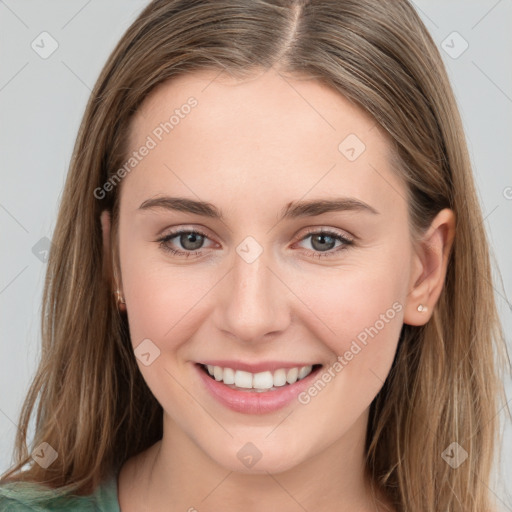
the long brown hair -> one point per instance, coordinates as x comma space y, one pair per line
94, 407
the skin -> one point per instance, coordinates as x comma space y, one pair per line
250, 147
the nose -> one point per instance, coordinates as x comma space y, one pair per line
253, 303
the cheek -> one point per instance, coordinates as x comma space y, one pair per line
364, 316
348, 301
162, 301
158, 295
163, 306
358, 315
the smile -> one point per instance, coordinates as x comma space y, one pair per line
258, 392
258, 382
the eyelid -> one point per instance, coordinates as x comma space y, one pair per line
181, 230
309, 230
342, 236
183, 227
329, 231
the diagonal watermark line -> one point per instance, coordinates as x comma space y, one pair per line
490, 283
306, 100
286, 491
486, 14
200, 299
291, 412
7, 416
425, 424
388, 182
490, 213
165, 165
19, 19
509, 506
378, 378
416, 6
505, 405
199, 403
217, 486
301, 300
492, 81
14, 218
214, 78
12, 280
76, 75
466, 353
76, 14
14, 76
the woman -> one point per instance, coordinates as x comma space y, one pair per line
263, 291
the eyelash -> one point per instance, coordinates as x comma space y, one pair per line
346, 242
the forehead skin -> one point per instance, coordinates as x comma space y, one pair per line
267, 139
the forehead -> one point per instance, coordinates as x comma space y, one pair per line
272, 101
264, 136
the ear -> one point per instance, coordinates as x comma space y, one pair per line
429, 268
109, 272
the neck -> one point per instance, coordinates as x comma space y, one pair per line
179, 475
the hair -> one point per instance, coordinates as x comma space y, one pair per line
95, 408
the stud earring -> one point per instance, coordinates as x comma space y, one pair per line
422, 308
120, 298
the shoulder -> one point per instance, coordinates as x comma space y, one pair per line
20, 496
31, 497
23, 497
15, 505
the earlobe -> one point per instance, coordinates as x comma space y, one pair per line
431, 264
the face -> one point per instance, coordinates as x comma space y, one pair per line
266, 283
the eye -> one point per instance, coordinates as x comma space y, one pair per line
323, 242
191, 240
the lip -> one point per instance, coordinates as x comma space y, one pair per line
248, 402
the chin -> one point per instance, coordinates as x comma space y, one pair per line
256, 459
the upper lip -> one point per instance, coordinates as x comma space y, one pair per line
255, 367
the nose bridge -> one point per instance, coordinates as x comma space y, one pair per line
254, 303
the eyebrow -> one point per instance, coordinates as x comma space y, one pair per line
294, 209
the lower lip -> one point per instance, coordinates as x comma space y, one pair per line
254, 402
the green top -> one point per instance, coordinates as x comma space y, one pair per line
28, 497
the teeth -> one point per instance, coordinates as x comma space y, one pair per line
280, 377
228, 376
305, 370
242, 379
292, 375
262, 381
217, 372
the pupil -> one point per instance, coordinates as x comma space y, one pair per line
191, 241
330, 241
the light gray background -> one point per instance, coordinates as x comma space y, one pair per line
42, 101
